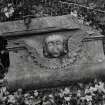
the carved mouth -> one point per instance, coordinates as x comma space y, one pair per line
55, 55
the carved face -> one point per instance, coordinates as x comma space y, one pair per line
55, 46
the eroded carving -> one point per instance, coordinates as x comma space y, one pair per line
57, 52
55, 46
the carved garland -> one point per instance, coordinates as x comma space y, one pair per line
74, 54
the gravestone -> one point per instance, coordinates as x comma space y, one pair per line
53, 51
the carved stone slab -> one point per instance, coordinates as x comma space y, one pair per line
73, 58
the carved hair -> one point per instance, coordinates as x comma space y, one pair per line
65, 46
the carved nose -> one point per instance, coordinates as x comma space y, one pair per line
55, 49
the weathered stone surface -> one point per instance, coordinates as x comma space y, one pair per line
38, 25
30, 69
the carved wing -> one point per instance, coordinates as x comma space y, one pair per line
75, 46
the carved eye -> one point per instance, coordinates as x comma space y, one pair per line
58, 42
50, 44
